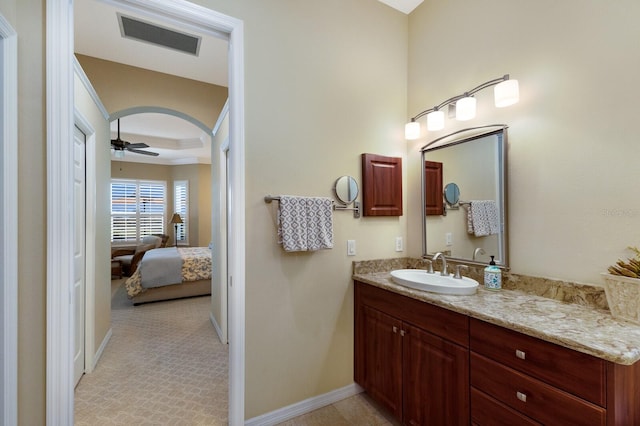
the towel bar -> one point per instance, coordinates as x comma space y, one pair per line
356, 205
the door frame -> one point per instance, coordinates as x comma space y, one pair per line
60, 117
8, 222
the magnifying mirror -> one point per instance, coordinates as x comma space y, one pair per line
451, 194
346, 189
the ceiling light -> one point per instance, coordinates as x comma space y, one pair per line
506, 93
118, 153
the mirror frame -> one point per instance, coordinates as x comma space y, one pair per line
456, 138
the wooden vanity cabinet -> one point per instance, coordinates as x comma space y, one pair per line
431, 366
546, 383
412, 357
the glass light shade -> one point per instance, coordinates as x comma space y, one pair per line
119, 153
435, 120
466, 108
506, 93
412, 130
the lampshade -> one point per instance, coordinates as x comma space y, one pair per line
119, 153
466, 108
506, 93
176, 218
412, 130
435, 120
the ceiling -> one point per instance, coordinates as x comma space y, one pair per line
97, 34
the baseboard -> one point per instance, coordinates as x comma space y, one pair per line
103, 345
216, 326
303, 407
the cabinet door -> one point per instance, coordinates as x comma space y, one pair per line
381, 185
436, 380
433, 188
382, 359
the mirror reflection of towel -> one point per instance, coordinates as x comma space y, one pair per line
305, 223
483, 218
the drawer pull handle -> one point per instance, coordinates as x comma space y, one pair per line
402, 333
522, 396
520, 354
395, 329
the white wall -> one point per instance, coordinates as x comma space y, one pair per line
573, 149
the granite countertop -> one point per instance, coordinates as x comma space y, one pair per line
582, 328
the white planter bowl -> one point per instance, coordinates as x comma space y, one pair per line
623, 296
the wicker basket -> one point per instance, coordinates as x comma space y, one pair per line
623, 296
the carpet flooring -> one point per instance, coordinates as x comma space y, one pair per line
164, 365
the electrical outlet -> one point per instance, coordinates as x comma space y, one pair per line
449, 238
351, 247
399, 245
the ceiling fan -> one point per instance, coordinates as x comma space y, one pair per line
120, 146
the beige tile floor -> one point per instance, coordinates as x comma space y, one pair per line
357, 410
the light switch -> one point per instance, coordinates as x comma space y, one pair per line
351, 247
399, 245
449, 238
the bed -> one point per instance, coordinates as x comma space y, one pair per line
171, 273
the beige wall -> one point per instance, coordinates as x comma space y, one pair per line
100, 275
572, 144
324, 82
199, 193
27, 19
121, 87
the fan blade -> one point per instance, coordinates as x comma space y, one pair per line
139, 151
136, 145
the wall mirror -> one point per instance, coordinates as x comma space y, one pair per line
346, 189
476, 160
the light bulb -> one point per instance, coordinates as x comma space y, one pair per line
435, 120
506, 93
412, 130
466, 108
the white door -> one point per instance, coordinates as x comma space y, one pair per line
79, 251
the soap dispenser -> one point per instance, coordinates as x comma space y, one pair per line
492, 276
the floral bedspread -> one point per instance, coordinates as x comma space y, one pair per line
196, 265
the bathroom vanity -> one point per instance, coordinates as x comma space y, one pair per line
499, 358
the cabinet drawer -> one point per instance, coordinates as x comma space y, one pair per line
580, 374
532, 397
487, 411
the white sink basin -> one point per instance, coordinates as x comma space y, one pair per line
435, 283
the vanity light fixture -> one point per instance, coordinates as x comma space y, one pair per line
506, 92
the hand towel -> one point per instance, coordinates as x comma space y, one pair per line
292, 223
319, 223
483, 218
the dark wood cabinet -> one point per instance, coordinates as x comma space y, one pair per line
433, 192
420, 377
431, 366
381, 185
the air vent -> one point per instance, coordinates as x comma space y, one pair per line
151, 33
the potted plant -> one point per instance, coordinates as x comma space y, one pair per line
622, 288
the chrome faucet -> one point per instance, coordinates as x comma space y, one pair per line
477, 251
444, 263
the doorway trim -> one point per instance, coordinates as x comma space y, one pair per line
9, 219
59, 104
